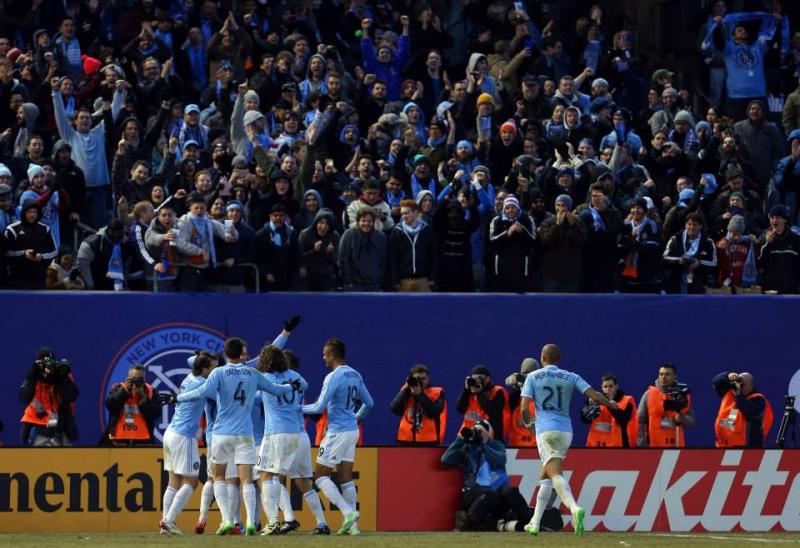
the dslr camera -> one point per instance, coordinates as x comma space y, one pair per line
591, 410
473, 381
51, 366
679, 397
138, 382
412, 381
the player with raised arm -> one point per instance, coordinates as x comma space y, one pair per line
341, 391
235, 385
551, 390
181, 453
285, 449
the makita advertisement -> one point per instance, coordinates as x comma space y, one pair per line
621, 490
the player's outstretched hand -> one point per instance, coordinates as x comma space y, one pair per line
291, 323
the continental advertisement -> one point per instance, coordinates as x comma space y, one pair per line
116, 490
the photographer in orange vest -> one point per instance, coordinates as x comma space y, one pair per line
49, 393
482, 400
665, 410
518, 435
422, 410
133, 407
611, 427
745, 416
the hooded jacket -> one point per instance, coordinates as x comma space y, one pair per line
94, 255
22, 235
362, 259
412, 253
319, 264
28, 129
309, 86
305, 218
764, 142
70, 178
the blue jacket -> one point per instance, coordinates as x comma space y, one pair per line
392, 72
484, 463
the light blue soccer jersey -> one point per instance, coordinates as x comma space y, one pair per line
284, 414
186, 419
551, 389
341, 389
259, 414
235, 386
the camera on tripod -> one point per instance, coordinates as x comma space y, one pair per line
788, 421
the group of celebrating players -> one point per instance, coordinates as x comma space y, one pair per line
227, 393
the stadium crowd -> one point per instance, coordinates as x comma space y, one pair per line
376, 145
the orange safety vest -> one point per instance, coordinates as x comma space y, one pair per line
661, 427
606, 432
131, 424
425, 431
519, 436
731, 426
475, 412
45, 394
322, 428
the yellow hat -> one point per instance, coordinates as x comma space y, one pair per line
485, 98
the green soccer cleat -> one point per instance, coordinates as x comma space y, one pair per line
349, 521
224, 528
531, 529
354, 531
251, 531
577, 520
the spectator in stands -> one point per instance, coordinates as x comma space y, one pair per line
745, 416
370, 199
319, 251
737, 253
603, 224
232, 255
639, 245
29, 247
413, 258
274, 250
63, 273
104, 258
422, 410
762, 139
780, 254
513, 239
48, 393
133, 408
48, 198
691, 258
363, 255
562, 239
386, 63
665, 410
164, 247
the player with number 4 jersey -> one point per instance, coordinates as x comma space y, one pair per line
343, 391
551, 390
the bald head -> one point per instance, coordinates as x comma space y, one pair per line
748, 384
551, 354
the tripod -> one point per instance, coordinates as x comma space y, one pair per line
787, 422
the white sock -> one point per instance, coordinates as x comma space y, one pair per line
286, 503
221, 494
349, 494
234, 503
269, 494
169, 496
542, 498
249, 496
181, 498
312, 499
564, 492
259, 506
327, 486
206, 498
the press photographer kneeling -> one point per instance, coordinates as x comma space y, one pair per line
487, 499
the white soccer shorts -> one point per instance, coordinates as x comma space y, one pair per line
286, 454
181, 455
232, 449
553, 445
337, 447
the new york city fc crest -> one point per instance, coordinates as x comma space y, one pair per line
163, 350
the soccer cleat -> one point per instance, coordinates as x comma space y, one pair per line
251, 531
348, 522
225, 528
162, 526
237, 529
321, 530
200, 526
531, 529
354, 531
171, 528
577, 520
271, 529
288, 527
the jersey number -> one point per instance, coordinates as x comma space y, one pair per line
550, 392
287, 398
352, 396
239, 394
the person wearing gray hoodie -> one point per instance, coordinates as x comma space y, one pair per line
319, 252
27, 115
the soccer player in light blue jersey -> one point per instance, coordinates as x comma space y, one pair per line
181, 454
235, 385
341, 391
551, 390
285, 449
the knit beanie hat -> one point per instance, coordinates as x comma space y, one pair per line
252, 96
736, 224
34, 170
684, 116
565, 199
511, 200
509, 125
484, 98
